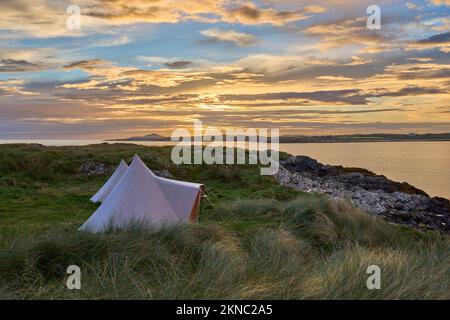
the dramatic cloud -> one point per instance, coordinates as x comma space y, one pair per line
172, 11
301, 66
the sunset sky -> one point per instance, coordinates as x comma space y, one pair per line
304, 67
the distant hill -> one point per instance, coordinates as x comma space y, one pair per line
148, 137
379, 137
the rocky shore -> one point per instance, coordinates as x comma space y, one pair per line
375, 194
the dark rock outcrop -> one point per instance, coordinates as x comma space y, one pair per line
94, 169
375, 194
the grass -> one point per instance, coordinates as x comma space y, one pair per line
255, 240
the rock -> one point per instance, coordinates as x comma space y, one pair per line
302, 164
94, 169
163, 173
374, 194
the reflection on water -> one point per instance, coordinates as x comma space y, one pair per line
425, 165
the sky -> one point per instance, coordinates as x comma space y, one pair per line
124, 68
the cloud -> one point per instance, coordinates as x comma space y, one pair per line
250, 14
40, 19
420, 59
87, 65
441, 41
126, 12
346, 32
11, 65
32, 54
437, 38
414, 71
356, 61
409, 91
180, 64
112, 42
302, 67
121, 12
105, 75
440, 2
412, 6
13, 88
19, 59
349, 96
230, 36
271, 64
334, 78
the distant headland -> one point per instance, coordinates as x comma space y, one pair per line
379, 137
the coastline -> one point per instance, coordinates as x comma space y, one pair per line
397, 202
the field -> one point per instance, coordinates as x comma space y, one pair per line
255, 239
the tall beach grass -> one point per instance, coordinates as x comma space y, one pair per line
320, 249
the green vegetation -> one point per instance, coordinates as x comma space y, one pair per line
255, 239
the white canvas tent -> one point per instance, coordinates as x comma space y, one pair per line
140, 197
106, 189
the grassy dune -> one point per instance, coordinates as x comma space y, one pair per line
254, 240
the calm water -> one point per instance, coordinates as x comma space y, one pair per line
425, 165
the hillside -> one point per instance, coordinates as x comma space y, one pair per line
255, 239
